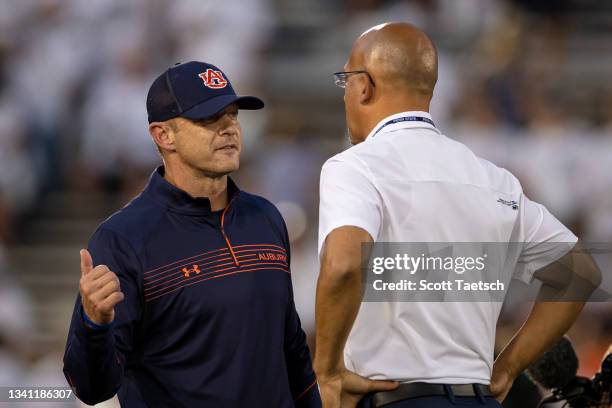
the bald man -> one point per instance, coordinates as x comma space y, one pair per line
403, 181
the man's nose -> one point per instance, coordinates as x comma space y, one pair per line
229, 124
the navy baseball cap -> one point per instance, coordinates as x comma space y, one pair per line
194, 90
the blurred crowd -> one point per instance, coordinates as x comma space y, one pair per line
523, 83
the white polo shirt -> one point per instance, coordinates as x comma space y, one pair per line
409, 183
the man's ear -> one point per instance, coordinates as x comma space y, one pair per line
163, 135
366, 90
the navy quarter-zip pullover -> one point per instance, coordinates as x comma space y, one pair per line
208, 318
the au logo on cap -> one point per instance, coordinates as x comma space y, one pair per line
213, 79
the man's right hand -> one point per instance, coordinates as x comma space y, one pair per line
100, 290
346, 389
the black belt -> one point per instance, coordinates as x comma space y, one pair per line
420, 389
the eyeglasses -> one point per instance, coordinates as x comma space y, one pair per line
341, 77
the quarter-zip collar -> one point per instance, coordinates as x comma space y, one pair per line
177, 200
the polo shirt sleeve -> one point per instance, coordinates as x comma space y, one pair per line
545, 239
348, 197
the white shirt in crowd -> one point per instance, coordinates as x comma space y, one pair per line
409, 183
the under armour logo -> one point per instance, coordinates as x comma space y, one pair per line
195, 269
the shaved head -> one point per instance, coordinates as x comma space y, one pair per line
401, 63
399, 55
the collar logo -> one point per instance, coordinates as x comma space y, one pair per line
213, 79
188, 271
512, 204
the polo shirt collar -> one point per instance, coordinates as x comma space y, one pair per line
178, 200
381, 128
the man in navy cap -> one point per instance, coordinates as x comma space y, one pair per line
185, 293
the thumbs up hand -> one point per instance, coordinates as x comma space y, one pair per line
100, 290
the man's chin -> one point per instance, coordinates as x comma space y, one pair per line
221, 170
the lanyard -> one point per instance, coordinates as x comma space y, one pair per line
405, 119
